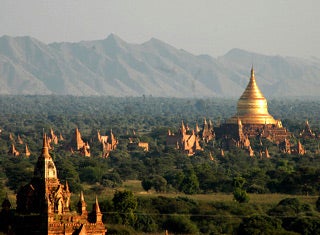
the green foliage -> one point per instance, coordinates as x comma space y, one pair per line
147, 183
240, 195
89, 174
111, 180
179, 205
174, 178
159, 183
289, 207
318, 204
19, 172
2, 191
151, 118
125, 203
260, 224
180, 224
146, 223
121, 230
190, 183
293, 203
164, 168
305, 225
239, 182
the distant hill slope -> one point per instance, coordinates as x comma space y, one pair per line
116, 68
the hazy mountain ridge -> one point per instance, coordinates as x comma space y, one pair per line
113, 67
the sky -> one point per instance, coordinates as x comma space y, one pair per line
271, 27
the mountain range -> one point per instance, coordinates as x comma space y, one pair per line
113, 67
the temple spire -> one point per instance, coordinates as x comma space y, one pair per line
96, 215
97, 207
45, 167
267, 153
82, 205
27, 151
183, 128
67, 186
45, 148
204, 121
197, 129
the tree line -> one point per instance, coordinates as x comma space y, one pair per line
164, 169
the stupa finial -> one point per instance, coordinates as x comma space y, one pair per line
252, 72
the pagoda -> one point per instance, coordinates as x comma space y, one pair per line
252, 118
307, 133
252, 106
185, 140
79, 145
43, 205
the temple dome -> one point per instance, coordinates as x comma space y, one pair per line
252, 106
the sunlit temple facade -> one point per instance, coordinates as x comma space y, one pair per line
185, 140
43, 205
77, 144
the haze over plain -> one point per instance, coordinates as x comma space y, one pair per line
285, 27
132, 48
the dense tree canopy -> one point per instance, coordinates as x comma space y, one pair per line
162, 169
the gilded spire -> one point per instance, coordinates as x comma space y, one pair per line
252, 90
252, 71
252, 106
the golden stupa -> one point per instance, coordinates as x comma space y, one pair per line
252, 106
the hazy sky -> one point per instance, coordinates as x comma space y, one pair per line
274, 27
